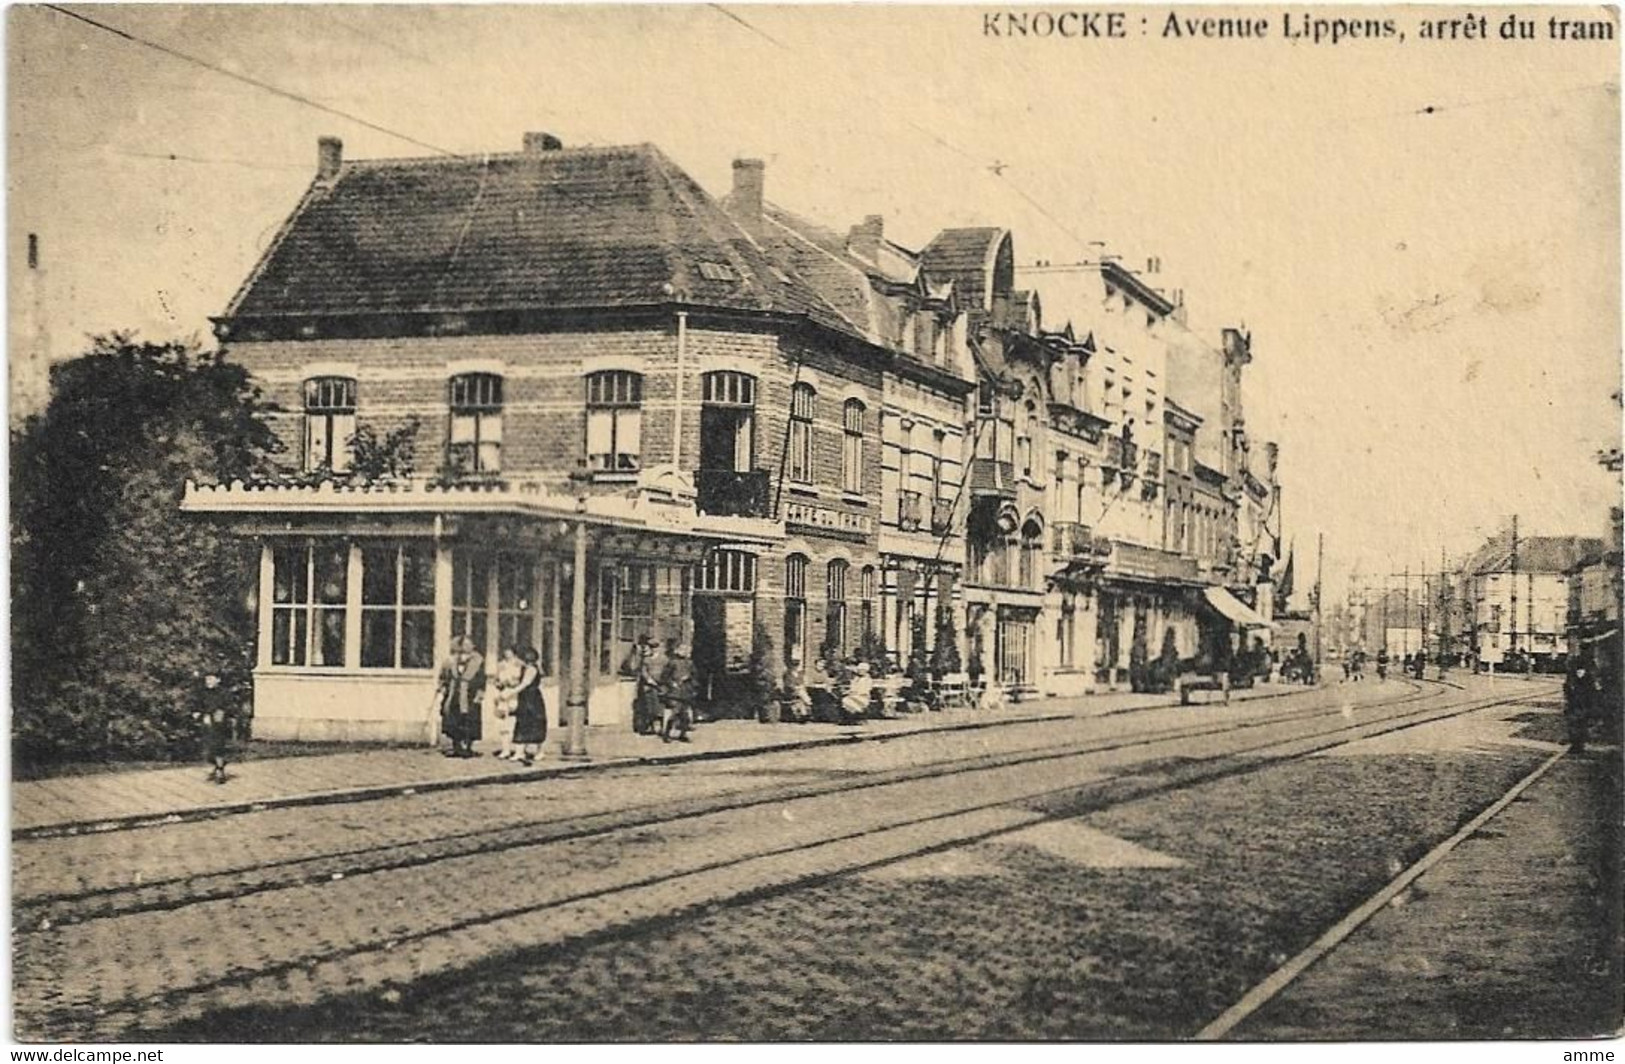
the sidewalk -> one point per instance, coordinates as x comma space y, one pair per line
120, 799
1515, 934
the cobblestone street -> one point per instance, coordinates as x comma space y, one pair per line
952, 867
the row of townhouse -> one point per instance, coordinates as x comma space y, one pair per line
647, 412
1515, 594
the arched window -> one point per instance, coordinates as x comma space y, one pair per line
835, 609
329, 423
795, 608
852, 447
802, 400
614, 421
476, 423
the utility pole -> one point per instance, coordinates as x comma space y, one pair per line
1444, 609
1512, 639
1405, 615
575, 702
1320, 553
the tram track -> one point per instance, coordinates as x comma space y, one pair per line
624, 909
57, 909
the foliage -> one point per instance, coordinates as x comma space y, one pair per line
872, 648
1138, 656
390, 456
118, 599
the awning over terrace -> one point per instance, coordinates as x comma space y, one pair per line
1233, 609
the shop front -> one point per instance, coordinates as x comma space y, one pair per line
361, 592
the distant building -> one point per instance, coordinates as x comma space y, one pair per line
1516, 591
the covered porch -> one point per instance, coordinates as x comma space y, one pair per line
362, 590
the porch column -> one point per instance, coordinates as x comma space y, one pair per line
267, 610
575, 703
352, 606
442, 620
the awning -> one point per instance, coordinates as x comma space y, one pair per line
1233, 608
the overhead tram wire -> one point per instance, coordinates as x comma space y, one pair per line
264, 86
996, 169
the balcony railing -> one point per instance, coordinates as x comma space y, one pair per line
729, 493
1072, 540
991, 477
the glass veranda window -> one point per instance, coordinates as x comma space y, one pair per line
307, 604
397, 607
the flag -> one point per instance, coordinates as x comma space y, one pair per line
1283, 586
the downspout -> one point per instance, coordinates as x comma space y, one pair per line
677, 400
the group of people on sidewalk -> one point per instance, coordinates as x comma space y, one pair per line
517, 701
664, 702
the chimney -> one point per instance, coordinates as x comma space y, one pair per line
329, 157
749, 175
864, 238
536, 143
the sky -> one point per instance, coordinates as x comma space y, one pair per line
1422, 237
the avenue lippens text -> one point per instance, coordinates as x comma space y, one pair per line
1293, 26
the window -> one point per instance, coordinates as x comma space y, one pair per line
727, 571
1024, 456
940, 449
309, 585
397, 607
802, 398
795, 607
476, 423
329, 423
495, 602
852, 447
728, 421
835, 608
614, 421
636, 593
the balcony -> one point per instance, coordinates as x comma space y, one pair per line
989, 477
942, 517
1071, 539
909, 511
729, 493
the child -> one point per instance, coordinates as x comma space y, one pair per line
506, 701
214, 715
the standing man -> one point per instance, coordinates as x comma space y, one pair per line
461, 691
676, 693
1579, 699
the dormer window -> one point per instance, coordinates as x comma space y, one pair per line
476, 423
329, 423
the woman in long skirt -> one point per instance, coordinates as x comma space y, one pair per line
530, 718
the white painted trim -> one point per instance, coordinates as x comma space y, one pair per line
638, 364
308, 370
457, 366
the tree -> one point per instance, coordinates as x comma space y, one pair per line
119, 599
390, 456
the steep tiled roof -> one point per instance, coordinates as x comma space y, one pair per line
568, 229
1536, 554
963, 255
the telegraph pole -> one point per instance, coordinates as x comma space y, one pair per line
1320, 553
1512, 638
1405, 614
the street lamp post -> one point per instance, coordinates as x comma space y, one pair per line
575, 703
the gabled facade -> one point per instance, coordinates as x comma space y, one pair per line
636, 416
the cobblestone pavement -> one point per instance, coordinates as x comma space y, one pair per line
1516, 934
1140, 921
299, 944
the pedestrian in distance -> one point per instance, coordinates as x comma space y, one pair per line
505, 699
1579, 700
651, 661
530, 710
676, 694
214, 715
461, 691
